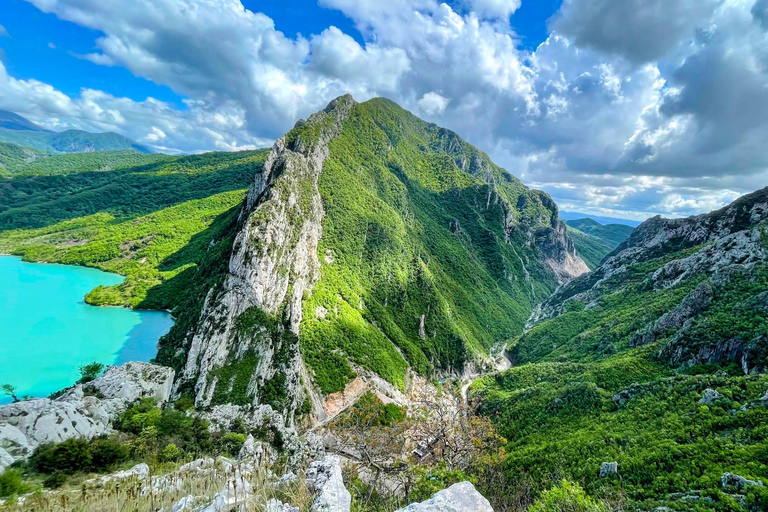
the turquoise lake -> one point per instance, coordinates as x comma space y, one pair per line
47, 331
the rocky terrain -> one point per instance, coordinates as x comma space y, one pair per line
266, 335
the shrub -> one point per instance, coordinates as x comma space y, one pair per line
90, 371
55, 480
567, 497
11, 483
231, 442
170, 453
69, 457
108, 452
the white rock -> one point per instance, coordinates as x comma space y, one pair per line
324, 477
274, 505
461, 497
27, 424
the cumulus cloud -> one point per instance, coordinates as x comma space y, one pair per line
494, 8
628, 108
3, 31
433, 103
641, 30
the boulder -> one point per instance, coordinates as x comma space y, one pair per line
710, 396
731, 481
324, 478
609, 469
461, 497
85, 411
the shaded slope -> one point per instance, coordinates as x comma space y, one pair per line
594, 240
617, 366
375, 243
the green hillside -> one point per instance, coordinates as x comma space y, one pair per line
591, 248
15, 129
611, 233
594, 241
19, 160
154, 223
619, 364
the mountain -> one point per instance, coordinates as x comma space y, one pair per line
591, 248
601, 219
11, 121
613, 234
594, 241
656, 360
372, 244
15, 129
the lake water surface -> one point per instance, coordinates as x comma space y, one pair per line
47, 331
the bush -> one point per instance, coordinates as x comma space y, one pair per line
107, 452
170, 453
69, 457
566, 497
11, 483
231, 442
55, 480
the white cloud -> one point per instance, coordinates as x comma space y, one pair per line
502, 9
433, 103
3, 32
643, 106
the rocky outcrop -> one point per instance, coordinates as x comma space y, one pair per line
85, 410
324, 478
710, 396
273, 264
461, 497
738, 482
609, 469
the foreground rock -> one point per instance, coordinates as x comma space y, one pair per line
86, 410
461, 497
324, 477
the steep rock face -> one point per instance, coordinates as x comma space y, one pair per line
372, 243
273, 263
716, 263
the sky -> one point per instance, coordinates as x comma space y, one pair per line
625, 109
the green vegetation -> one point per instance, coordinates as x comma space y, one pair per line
586, 391
567, 497
18, 130
613, 234
594, 241
415, 226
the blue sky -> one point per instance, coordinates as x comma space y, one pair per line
624, 109
28, 51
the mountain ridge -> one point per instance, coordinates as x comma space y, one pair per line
16, 129
302, 279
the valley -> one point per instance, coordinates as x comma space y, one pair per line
348, 291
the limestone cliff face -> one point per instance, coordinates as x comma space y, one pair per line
713, 254
409, 220
246, 338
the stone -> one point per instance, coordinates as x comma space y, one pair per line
288, 478
732, 480
460, 497
324, 477
710, 396
275, 505
609, 469
185, 504
85, 411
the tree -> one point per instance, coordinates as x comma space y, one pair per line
90, 371
567, 497
10, 391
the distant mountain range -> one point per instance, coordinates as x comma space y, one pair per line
16, 129
594, 241
598, 218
